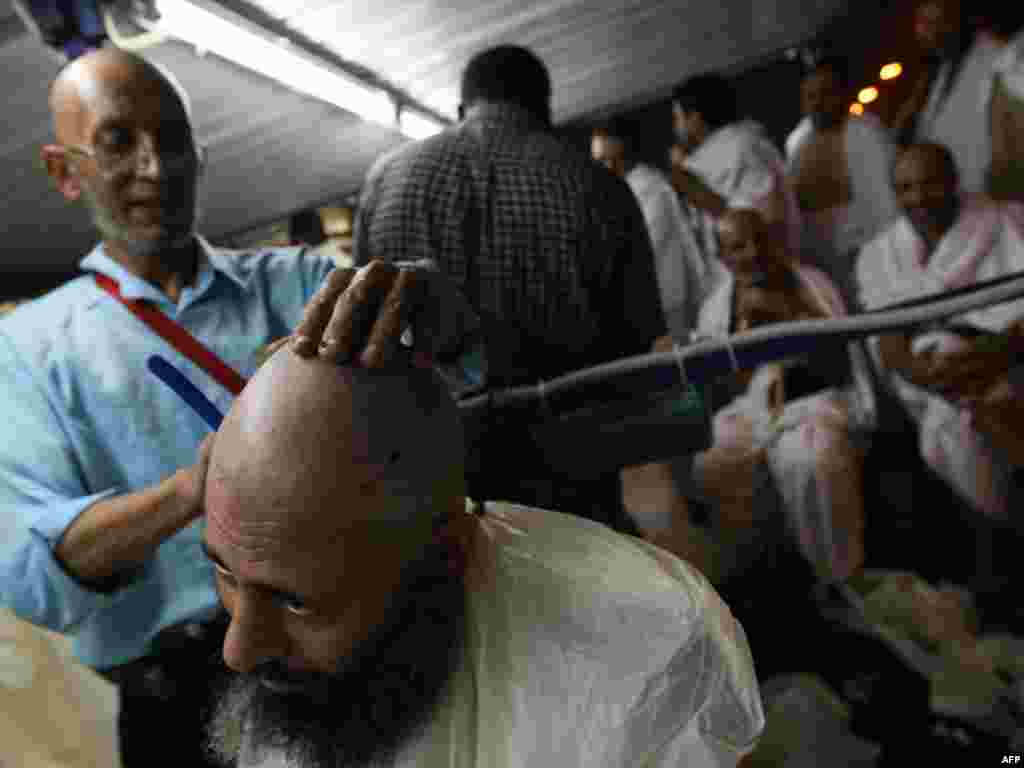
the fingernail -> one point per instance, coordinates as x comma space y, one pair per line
302, 344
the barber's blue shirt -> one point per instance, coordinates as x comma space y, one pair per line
82, 419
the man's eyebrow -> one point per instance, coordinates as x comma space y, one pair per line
276, 591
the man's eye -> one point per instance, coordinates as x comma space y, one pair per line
296, 606
116, 139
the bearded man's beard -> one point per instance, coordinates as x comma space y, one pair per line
378, 699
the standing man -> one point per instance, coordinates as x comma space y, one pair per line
680, 264
731, 163
550, 250
949, 102
840, 168
100, 484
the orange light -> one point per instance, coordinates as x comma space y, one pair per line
891, 71
867, 95
856, 109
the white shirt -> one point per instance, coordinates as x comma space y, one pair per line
678, 258
960, 120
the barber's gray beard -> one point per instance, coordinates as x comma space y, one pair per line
110, 229
378, 701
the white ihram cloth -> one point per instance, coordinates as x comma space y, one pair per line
985, 242
831, 237
740, 164
682, 275
798, 450
960, 119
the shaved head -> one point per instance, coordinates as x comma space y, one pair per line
325, 487
83, 81
306, 433
126, 149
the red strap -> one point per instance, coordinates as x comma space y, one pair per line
177, 337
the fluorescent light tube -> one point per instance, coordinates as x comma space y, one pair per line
416, 125
235, 39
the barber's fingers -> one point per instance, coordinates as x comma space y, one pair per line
402, 303
318, 311
354, 312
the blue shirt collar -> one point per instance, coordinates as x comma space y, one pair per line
212, 261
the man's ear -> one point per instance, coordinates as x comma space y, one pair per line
58, 168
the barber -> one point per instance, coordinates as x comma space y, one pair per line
102, 468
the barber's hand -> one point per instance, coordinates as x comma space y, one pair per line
362, 315
191, 485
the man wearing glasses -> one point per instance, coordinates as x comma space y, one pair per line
100, 502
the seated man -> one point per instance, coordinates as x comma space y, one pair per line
941, 244
376, 619
840, 168
786, 422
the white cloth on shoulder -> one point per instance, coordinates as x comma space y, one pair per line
742, 165
985, 242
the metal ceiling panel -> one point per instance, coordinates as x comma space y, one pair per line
600, 52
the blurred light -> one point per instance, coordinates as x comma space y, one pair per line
856, 109
891, 71
215, 32
416, 125
867, 95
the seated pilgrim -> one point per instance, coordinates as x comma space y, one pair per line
789, 425
381, 618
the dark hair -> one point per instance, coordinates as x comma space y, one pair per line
307, 227
712, 96
508, 73
839, 66
939, 150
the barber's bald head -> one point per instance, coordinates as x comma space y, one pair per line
125, 147
85, 81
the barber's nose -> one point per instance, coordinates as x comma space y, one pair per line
148, 162
252, 638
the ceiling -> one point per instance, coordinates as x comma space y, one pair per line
272, 151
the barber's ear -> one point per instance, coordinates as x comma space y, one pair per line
59, 169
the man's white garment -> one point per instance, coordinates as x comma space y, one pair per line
959, 120
797, 450
741, 165
986, 242
679, 260
830, 236
587, 649
1009, 66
